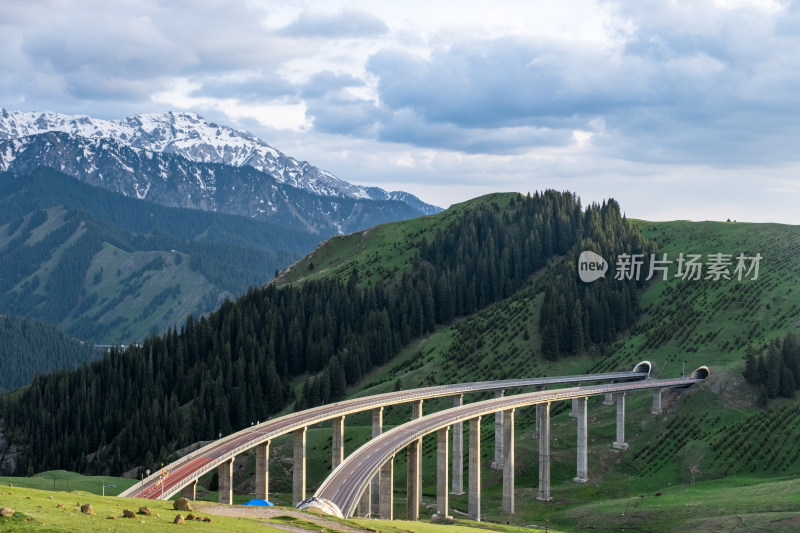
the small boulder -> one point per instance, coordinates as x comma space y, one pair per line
87, 508
178, 519
60, 505
182, 504
127, 513
207, 519
145, 511
190, 516
6, 512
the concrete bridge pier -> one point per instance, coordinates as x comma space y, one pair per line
262, 471
190, 491
656, 409
337, 442
442, 460
458, 451
620, 443
371, 498
580, 413
299, 468
497, 464
386, 508
508, 461
543, 417
413, 453
474, 498
574, 412
608, 399
225, 475
416, 412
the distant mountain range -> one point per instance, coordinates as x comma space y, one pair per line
181, 160
110, 269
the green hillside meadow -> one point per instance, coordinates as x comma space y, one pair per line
721, 439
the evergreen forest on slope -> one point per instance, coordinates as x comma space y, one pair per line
30, 348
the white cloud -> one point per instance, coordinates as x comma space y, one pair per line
653, 102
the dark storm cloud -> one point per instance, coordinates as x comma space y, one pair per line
348, 23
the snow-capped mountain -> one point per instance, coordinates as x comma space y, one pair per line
175, 181
190, 136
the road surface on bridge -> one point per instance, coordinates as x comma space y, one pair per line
190, 467
345, 484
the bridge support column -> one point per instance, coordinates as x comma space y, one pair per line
656, 409
620, 443
299, 469
416, 412
262, 471
508, 461
386, 507
375, 485
442, 460
497, 464
536, 418
608, 399
225, 475
580, 414
190, 491
365, 503
413, 451
574, 412
337, 442
458, 451
543, 416
474, 498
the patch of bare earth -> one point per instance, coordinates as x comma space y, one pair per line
735, 391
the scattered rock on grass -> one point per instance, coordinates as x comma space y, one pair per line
145, 511
127, 513
87, 508
178, 519
6, 512
182, 504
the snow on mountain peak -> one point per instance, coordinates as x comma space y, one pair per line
190, 136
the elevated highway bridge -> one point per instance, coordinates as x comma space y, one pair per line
220, 454
341, 493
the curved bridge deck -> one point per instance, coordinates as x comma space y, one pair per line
345, 485
190, 467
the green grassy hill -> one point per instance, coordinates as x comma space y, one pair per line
35, 509
723, 437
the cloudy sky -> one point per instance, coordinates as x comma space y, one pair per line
678, 109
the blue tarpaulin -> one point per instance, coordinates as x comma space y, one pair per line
259, 503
